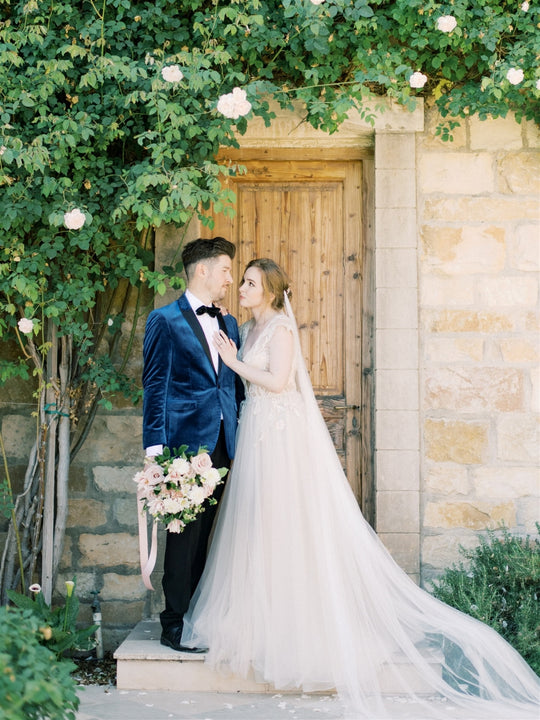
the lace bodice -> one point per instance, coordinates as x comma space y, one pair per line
258, 355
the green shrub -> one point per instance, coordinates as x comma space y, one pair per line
60, 633
34, 683
500, 584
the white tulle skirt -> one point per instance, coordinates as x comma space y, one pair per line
299, 590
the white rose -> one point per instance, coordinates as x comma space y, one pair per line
211, 478
172, 505
75, 219
417, 80
197, 495
525, 6
179, 466
3, 149
201, 462
26, 325
538, 84
172, 73
316, 2
446, 23
515, 76
234, 104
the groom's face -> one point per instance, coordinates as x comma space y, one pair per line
218, 277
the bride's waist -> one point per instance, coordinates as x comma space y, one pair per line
255, 393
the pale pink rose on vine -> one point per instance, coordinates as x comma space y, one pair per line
172, 73
515, 76
234, 104
25, 325
446, 23
417, 80
74, 219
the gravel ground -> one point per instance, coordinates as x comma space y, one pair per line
91, 671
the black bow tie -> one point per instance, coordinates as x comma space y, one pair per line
212, 310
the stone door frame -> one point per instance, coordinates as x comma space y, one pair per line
391, 361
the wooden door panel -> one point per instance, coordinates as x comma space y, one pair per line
307, 216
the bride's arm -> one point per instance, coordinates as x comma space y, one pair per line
281, 359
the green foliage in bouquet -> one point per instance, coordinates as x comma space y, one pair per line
58, 630
500, 585
34, 683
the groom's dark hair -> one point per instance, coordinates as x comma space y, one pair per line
205, 249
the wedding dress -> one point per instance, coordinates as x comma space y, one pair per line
298, 589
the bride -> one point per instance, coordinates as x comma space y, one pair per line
297, 588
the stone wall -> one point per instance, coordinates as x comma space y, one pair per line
478, 261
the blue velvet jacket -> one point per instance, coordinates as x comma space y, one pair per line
184, 397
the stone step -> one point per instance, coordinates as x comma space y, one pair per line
144, 664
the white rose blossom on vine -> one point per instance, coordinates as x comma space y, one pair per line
515, 76
234, 104
74, 219
3, 149
172, 73
26, 326
525, 6
538, 84
316, 2
417, 80
446, 23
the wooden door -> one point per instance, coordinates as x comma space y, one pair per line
307, 215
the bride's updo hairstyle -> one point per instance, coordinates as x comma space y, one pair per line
274, 280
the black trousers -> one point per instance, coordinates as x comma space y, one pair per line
185, 552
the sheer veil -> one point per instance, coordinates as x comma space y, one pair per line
383, 629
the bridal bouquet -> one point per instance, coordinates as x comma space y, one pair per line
173, 487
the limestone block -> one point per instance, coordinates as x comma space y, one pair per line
395, 227
85, 584
470, 321
481, 209
532, 133
395, 189
446, 479
519, 349
494, 134
404, 548
397, 349
116, 479
122, 587
456, 173
467, 250
19, 434
524, 249
519, 173
518, 438
113, 438
528, 514
122, 613
396, 308
125, 511
471, 515
456, 441
506, 482
109, 550
398, 512
532, 321
396, 389
448, 350
396, 268
443, 551
534, 375
398, 470
84, 512
395, 151
510, 291
429, 139
396, 429
471, 389
446, 291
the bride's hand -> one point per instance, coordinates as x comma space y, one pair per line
226, 347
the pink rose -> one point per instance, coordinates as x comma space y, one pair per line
200, 463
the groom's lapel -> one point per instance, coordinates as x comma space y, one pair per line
195, 325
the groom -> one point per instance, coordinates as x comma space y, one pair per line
190, 398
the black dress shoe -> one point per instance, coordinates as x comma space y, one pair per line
173, 640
